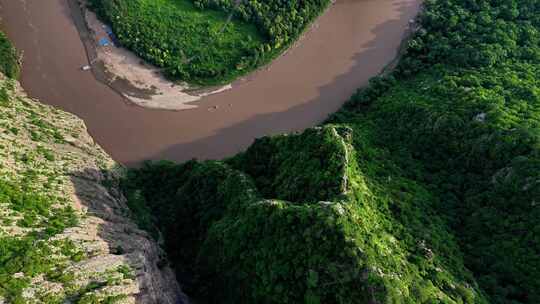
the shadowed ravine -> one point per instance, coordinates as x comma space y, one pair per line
352, 42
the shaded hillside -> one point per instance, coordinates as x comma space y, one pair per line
304, 218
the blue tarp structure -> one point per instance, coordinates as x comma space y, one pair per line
112, 37
104, 42
108, 30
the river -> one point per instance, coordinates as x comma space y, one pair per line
349, 44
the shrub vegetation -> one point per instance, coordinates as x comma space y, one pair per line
36, 250
424, 188
9, 59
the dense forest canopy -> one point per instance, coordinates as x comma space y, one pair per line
196, 41
259, 228
429, 182
465, 111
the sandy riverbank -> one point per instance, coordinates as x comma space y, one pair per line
141, 83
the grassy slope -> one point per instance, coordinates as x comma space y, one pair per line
41, 257
190, 43
24, 205
442, 170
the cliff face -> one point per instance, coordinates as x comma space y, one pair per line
65, 232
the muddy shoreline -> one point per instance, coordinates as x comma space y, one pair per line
352, 42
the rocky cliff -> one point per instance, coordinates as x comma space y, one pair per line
65, 232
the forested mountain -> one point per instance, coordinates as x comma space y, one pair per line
424, 188
464, 108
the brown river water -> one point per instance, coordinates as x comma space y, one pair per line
353, 41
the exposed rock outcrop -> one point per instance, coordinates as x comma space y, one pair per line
58, 193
